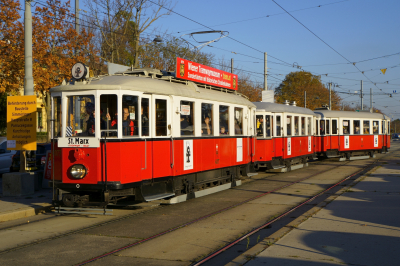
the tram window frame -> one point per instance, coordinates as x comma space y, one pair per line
309, 126
347, 127
110, 115
334, 126
57, 111
366, 127
278, 125
383, 127
260, 131
189, 117
80, 120
127, 103
297, 126
355, 122
303, 127
289, 125
327, 126
375, 127
269, 126
207, 110
224, 122
322, 127
145, 117
238, 120
316, 131
161, 112
388, 128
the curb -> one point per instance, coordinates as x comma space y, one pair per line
24, 212
272, 239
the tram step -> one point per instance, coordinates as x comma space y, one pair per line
359, 157
84, 211
158, 196
198, 194
284, 169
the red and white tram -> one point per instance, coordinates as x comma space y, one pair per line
284, 136
348, 134
144, 134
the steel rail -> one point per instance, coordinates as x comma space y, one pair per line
212, 255
203, 217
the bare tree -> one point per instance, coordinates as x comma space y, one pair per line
121, 22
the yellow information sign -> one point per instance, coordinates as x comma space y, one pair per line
21, 122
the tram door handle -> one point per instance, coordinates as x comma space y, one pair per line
145, 154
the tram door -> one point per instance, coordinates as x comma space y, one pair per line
162, 144
145, 135
278, 135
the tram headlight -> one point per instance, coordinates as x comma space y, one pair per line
78, 171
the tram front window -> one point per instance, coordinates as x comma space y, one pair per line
80, 116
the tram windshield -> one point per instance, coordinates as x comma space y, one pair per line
80, 116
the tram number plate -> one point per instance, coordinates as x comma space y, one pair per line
79, 142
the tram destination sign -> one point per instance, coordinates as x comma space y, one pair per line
21, 122
193, 71
78, 142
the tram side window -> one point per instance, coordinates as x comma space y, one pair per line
322, 127
308, 126
223, 120
80, 116
57, 116
207, 117
366, 127
109, 115
145, 117
130, 119
346, 127
383, 127
260, 125
161, 117
238, 121
303, 126
296, 126
187, 118
327, 122
268, 126
289, 125
334, 127
356, 127
388, 128
278, 126
376, 127
316, 127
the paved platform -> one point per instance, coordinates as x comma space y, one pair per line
360, 227
12, 208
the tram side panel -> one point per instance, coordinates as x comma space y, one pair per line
264, 150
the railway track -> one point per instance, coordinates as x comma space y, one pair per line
175, 228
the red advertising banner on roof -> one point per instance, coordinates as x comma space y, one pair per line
193, 71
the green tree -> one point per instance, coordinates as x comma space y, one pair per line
296, 83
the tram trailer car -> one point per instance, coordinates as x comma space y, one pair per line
161, 146
284, 135
350, 134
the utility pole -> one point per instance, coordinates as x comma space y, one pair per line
372, 109
232, 65
362, 100
342, 106
265, 72
305, 99
77, 16
330, 95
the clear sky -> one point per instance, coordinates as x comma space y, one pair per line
324, 37
336, 33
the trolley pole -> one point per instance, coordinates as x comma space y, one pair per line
305, 99
362, 100
232, 65
265, 72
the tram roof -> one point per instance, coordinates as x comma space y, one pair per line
155, 86
350, 114
281, 108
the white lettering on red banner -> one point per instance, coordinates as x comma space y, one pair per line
189, 70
